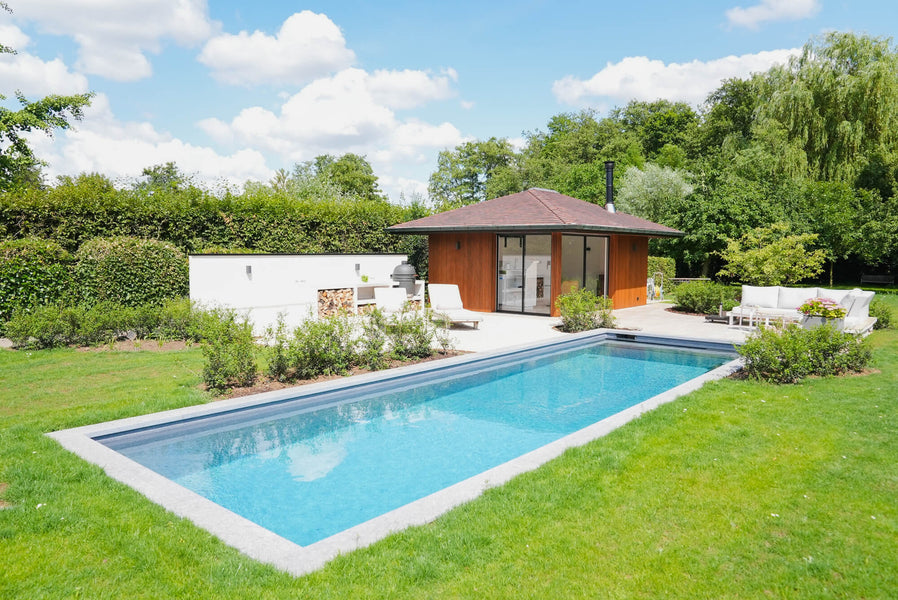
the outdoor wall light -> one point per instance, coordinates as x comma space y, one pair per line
457, 245
358, 267
249, 271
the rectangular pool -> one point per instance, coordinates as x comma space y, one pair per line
316, 465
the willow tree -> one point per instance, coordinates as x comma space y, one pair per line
836, 107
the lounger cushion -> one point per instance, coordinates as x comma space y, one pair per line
763, 296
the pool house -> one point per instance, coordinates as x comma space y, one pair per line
517, 253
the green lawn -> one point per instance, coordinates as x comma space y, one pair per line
739, 490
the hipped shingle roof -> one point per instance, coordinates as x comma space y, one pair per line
534, 210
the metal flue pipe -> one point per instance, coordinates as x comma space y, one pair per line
609, 186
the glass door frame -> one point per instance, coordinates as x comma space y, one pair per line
523, 237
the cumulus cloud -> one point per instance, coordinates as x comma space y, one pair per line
772, 10
640, 78
352, 111
308, 45
113, 36
13, 37
34, 77
102, 143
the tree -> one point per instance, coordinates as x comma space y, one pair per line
729, 114
769, 256
462, 174
658, 123
652, 192
836, 105
351, 173
19, 167
163, 177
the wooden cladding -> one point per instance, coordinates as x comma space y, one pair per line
468, 260
627, 266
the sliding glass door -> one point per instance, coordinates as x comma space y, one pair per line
584, 263
524, 274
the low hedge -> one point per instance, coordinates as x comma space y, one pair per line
792, 353
705, 297
55, 325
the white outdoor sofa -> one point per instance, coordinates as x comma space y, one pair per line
763, 303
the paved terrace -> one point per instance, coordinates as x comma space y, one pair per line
502, 329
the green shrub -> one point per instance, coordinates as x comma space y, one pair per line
581, 310
33, 272
47, 326
322, 347
372, 341
55, 325
882, 312
128, 270
277, 351
705, 297
792, 353
229, 350
411, 334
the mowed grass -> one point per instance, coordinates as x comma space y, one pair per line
740, 490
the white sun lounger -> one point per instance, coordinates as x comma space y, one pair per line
446, 300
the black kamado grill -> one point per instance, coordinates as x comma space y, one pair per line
404, 276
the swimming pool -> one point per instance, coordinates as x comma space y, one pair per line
342, 464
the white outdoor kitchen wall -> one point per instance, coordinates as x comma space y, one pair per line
263, 285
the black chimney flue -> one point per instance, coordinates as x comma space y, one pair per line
609, 186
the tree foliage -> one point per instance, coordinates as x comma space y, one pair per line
770, 256
19, 167
463, 174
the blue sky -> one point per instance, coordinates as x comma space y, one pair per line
232, 90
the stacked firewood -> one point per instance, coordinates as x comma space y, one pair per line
335, 301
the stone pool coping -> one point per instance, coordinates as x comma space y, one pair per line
263, 545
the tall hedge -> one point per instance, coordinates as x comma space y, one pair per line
258, 220
665, 264
128, 270
33, 272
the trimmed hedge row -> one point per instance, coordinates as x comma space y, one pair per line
191, 219
32, 272
131, 271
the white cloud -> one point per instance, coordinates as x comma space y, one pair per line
408, 88
351, 111
13, 37
638, 77
308, 45
113, 36
772, 10
101, 143
34, 77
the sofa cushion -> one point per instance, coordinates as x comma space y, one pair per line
860, 307
837, 295
763, 296
794, 297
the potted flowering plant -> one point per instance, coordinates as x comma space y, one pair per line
819, 311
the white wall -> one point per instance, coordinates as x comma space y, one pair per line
263, 285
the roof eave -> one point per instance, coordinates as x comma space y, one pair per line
427, 229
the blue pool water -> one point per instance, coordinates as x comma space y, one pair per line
306, 473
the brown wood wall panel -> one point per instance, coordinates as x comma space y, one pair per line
471, 266
627, 263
